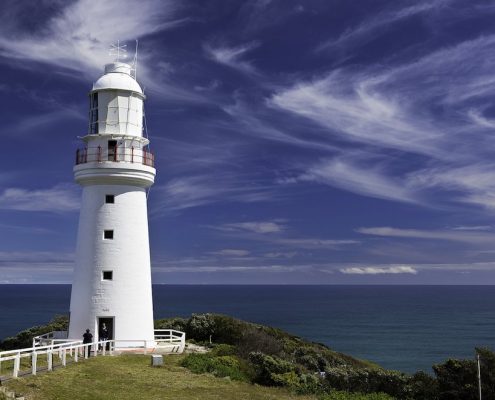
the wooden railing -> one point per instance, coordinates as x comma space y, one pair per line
72, 351
115, 154
170, 338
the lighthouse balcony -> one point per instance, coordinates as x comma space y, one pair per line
117, 154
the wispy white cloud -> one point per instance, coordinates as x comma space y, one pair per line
232, 56
78, 37
354, 106
254, 122
32, 123
399, 269
344, 174
36, 267
473, 228
227, 269
60, 198
379, 110
254, 226
315, 243
281, 254
274, 233
199, 190
466, 236
231, 253
474, 183
377, 25
478, 118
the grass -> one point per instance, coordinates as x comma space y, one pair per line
131, 377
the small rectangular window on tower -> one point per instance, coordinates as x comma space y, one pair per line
110, 198
108, 234
107, 275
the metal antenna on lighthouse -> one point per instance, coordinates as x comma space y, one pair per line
118, 50
134, 62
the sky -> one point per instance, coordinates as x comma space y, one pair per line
296, 142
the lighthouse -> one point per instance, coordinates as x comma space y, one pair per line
112, 275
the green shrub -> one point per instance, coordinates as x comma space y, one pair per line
256, 339
200, 327
457, 380
179, 324
312, 358
392, 383
24, 339
220, 366
356, 396
299, 382
223, 350
423, 386
268, 368
228, 330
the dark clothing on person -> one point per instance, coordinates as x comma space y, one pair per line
88, 338
103, 334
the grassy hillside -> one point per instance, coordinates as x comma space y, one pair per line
130, 377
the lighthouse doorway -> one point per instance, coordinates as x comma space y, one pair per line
108, 321
112, 150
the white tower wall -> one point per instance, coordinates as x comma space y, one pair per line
127, 297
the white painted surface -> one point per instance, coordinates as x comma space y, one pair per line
127, 298
117, 76
120, 111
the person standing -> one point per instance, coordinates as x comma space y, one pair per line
103, 334
88, 338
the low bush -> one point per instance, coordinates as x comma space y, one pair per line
256, 339
356, 396
457, 380
221, 366
228, 330
179, 324
223, 350
24, 338
393, 383
300, 383
200, 327
269, 368
423, 386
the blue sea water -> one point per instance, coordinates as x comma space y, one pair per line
400, 327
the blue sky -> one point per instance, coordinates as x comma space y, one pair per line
307, 141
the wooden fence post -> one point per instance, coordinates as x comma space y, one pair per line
64, 357
34, 362
49, 359
17, 365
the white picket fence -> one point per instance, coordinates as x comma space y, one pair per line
174, 341
166, 340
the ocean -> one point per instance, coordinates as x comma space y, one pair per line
407, 328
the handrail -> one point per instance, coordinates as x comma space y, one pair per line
116, 154
50, 337
165, 339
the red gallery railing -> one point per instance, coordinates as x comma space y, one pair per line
115, 154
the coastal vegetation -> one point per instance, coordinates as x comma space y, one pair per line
24, 339
263, 358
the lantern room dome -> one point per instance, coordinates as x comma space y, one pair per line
117, 76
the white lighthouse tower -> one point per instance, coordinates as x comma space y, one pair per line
112, 278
